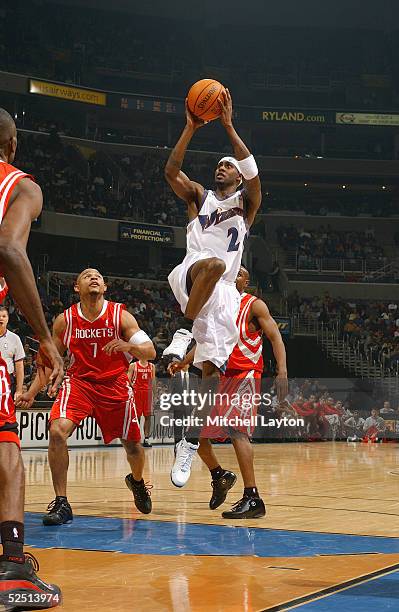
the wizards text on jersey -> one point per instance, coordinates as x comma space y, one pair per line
218, 216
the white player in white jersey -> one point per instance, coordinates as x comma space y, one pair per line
204, 283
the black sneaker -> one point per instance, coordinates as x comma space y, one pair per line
221, 486
247, 507
141, 494
59, 513
147, 443
22, 589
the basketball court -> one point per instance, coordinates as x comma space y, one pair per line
330, 540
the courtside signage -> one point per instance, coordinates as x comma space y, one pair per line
65, 92
33, 430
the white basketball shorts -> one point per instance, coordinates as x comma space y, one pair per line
214, 330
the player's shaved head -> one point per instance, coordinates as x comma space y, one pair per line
90, 282
242, 280
88, 271
244, 272
8, 136
7, 125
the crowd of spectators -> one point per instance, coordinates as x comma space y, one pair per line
328, 243
371, 327
89, 182
327, 417
122, 187
83, 51
373, 204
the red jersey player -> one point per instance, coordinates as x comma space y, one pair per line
242, 378
101, 337
141, 375
20, 203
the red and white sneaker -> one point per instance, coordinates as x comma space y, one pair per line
22, 589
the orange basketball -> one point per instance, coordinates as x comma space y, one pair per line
203, 97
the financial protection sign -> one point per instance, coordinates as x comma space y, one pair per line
66, 92
141, 232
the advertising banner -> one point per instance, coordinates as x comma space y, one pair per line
66, 92
297, 116
142, 232
33, 430
367, 119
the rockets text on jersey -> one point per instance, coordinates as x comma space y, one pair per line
86, 339
219, 230
247, 354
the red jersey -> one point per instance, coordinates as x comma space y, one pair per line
142, 376
247, 354
9, 177
86, 339
3, 291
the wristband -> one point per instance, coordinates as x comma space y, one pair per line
139, 338
248, 168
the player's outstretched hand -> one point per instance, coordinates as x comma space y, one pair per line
24, 401
226, 108
175, 366
281, 384
193, 122
117, 346
49, 357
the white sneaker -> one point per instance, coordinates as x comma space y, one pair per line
184, 455
179, 345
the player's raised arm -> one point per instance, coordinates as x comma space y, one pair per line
25, 206
248, 167
270, 328
135, 340
189, 191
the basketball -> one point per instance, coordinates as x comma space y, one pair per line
203, 98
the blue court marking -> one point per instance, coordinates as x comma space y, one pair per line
169, 538
381, 594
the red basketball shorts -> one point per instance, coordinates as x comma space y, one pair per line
236, 405
8, 421
143, 401
111, 403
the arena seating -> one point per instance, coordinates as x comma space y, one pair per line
82, 180
147, 57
